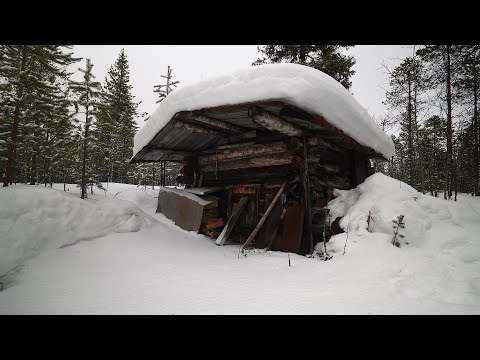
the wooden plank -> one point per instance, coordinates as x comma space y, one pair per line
269, 229
264, 217
273, 122
308, 202
213, 223
232, 221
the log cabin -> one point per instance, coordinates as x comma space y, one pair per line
263, 150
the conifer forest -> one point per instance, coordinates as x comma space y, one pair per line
57, 130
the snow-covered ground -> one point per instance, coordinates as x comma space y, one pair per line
136, 261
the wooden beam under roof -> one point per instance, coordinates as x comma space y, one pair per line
181, 124
216, 123
273, 122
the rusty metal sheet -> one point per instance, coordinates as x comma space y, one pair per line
269, 228
289, 239
185, 212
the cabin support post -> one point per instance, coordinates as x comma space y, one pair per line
308, 204
163, 171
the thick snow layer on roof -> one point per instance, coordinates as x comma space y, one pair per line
299, 85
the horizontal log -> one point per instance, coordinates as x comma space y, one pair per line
330, 168
319, 141
150, 154
198, 129
241, 153
233, 146
335, 182
273, 180
273, 122
258, 161
283, 170
219, 124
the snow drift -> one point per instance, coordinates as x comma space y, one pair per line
166, 270
33, 219
295, 84
384, 198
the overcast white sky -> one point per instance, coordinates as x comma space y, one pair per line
191, 63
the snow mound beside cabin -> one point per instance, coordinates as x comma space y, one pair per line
295, 84
430, 223
34, 219
438, 261
385, 199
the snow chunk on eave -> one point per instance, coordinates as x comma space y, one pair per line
299, 85
186, 194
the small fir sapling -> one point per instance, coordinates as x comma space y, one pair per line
397, 225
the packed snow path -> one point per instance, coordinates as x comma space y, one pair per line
162, 269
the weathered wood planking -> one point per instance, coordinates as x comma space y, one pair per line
251, 162
232, 221
264, 217
237, 153
273, 122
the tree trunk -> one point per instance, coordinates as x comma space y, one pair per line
85, 139
411, 181
46, 163
12, 146
153, 176
303, 54
475, 130
448, 176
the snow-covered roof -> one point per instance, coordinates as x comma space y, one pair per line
298, 85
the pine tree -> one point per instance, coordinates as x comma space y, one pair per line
164, 89
443, 65
467, 88
326, 58
116, 123
398, 224
405, 84
28, 73
432, 144
88, 91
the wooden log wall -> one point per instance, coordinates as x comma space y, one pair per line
271, 164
